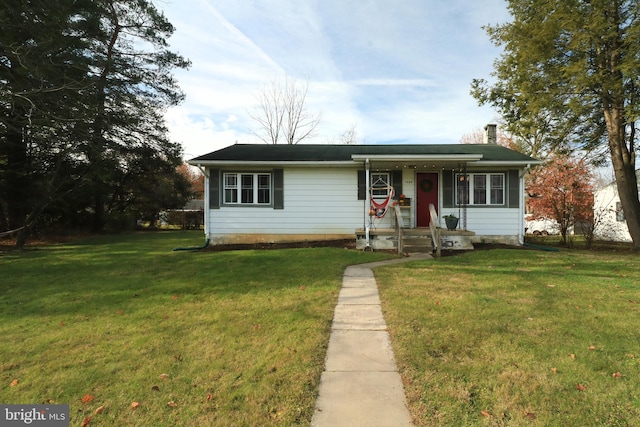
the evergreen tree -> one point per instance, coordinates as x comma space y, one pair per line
570, 72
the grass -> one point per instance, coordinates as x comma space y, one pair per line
518, 338
194, 338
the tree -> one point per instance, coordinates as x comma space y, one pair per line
43, 75
281, 113
569, 74
562, 190
132, 87
84, 87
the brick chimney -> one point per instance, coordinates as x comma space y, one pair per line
490, 134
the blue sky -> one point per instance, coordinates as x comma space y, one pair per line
400, 71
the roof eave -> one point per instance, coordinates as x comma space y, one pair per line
417, 157
263, 163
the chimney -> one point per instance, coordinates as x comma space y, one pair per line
490, 134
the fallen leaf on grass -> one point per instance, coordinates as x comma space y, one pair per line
172, 404
85, 422
209, 397
617, 375
86, 399
14, 383
174, 296
302, 288
592, 347
164, 376
119, 312
554, 370
573, 356
134, 405
581, 387
100, 409
485, 414
61, 323
530, 415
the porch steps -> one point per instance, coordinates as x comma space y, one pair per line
416, 241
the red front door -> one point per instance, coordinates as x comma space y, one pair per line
426, 193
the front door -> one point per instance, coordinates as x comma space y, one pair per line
426, 193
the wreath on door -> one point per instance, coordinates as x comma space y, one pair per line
426, 185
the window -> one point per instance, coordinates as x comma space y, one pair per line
247, 188
380, 185
480, 189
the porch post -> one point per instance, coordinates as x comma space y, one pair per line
367, 180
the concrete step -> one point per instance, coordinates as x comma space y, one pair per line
413, 244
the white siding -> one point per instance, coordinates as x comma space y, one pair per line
605, 215
489, 221
316, 201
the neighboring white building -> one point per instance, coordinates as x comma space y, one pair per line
275, 193
608, 215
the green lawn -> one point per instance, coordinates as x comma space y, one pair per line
517, 337
124, 326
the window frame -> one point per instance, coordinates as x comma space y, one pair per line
382, 192
235, 186
484, 191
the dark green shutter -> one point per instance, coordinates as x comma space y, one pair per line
362, 186
214, 188
513, 181
278, 189
447, 189
396, 181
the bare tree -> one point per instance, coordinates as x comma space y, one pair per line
350, 136
281, 114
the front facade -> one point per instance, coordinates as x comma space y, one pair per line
277, 193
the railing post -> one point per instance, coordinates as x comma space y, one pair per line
435, 230
400, 225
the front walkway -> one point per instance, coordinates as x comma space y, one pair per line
360, 385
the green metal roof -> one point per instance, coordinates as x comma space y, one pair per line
339, 153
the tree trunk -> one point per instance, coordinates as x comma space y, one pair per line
623, 161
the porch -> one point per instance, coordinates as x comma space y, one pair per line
410, 240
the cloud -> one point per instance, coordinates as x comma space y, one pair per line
399, 71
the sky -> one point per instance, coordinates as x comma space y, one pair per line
396, 71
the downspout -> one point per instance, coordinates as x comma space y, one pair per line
521, 205
367, 180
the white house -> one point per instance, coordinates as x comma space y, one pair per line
608, 215
306, 192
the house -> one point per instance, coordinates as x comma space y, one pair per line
608, 215
307, 192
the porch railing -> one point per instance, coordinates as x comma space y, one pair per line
399, 227
435, 230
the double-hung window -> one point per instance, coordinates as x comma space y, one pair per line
480, 189
244, 188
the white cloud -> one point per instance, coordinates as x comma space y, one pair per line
399, 71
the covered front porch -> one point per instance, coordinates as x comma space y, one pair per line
409, 201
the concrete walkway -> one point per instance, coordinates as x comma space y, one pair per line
360, 385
